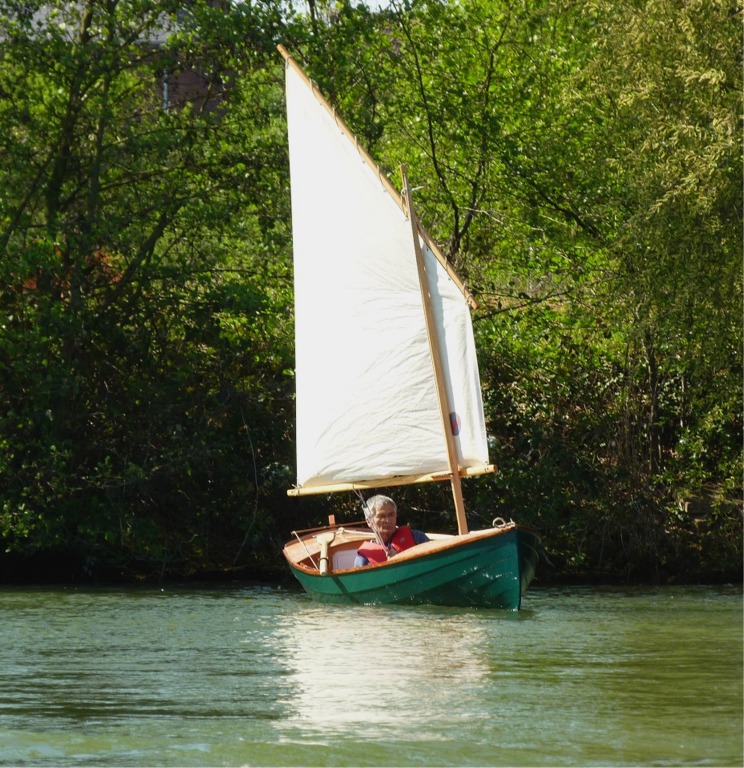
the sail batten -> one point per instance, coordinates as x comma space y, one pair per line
367, 405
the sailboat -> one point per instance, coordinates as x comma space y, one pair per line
387, 384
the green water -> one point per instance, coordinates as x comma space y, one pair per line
248, 676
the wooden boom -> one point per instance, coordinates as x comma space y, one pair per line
390, 482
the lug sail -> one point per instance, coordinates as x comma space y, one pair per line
367, 404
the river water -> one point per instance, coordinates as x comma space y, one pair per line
263, 676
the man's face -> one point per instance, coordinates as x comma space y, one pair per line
384, 522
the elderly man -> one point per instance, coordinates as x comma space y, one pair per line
381, 514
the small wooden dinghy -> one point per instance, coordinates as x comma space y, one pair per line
484, 569
387, 384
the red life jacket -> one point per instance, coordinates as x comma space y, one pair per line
376, 553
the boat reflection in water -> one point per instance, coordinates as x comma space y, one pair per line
383, 672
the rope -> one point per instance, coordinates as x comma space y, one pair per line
499, 522
297, 536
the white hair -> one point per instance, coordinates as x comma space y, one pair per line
376, 502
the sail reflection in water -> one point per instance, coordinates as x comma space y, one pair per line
374, 671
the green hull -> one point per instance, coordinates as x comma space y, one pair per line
490, 572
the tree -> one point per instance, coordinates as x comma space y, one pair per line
141, 313
580, 164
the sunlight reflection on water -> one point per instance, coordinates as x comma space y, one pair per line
343, 659
248, 676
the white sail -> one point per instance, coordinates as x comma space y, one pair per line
367, 405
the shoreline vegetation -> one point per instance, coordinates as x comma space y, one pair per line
579, 164
59, 569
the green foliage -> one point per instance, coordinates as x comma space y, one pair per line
143, 339
580, 164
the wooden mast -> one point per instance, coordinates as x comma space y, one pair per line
431, 330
